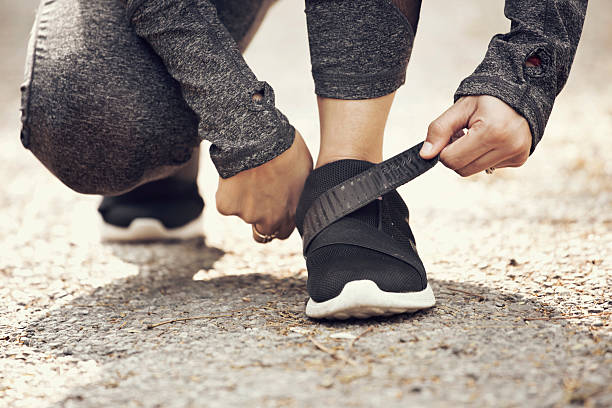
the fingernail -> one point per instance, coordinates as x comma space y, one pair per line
426, 148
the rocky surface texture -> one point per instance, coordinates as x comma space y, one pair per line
520, 261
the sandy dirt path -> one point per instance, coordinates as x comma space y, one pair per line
520, 261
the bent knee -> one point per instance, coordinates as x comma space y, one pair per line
83, 166
102, 169
105, 161
100, 144
101, 112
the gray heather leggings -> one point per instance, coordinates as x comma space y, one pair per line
121, 92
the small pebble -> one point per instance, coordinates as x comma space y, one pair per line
343, 335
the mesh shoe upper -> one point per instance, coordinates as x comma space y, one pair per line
173, 202
331, 266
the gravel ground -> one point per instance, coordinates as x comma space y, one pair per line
520, 262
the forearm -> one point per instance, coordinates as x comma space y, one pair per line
236, 112
547, 30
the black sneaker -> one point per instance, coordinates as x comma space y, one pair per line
166, 209
366, 263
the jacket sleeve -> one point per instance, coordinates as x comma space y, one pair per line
543, 31
236, 111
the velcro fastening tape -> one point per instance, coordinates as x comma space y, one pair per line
362, 189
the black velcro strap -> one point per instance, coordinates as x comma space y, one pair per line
362, 189
356, 233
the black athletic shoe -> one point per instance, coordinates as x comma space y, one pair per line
366, 263
166, 209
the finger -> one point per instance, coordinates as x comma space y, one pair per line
257, 236
224, 206
466, 149
487, 160
262, 232
261, 235
445, 126
225, 200
515, 161
285, 230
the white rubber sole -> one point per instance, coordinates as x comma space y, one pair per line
151, 229
363, 299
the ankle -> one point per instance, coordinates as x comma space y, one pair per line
324, 159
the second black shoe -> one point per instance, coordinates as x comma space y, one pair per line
167, 209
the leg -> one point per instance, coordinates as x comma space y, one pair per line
356, 85
366, 262
99, 108
102, 112
352, 129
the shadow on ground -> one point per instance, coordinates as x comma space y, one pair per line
245, 338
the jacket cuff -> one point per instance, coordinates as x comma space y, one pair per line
231, 162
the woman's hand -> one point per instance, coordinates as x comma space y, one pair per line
497, 136
267, 196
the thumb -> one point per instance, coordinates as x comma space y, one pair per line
445, 126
